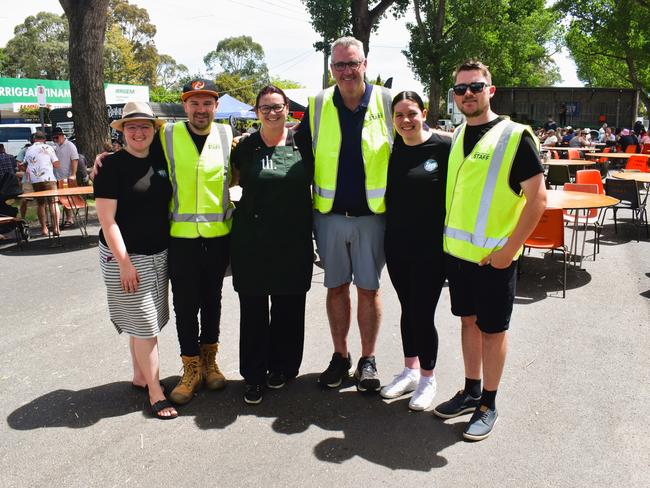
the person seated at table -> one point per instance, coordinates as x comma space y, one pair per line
551, 138
628, 139
132, 194
569, 134
644, 138
40, 161
579, 140
609, 138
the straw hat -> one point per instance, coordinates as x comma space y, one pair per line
136, 111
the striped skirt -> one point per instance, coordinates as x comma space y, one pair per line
144, 313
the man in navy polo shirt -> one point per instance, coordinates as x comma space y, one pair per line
349, 130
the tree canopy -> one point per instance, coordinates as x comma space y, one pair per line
513, 37
359, 18
609, 41
39, 48
240, 56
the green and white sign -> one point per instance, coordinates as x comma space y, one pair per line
23, 90
18, 92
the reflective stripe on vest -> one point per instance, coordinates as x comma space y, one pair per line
466, 210
222, 196
372, 148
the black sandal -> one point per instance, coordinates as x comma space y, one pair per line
161, 405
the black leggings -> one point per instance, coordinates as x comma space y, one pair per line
418, 285
272, 341
196, 270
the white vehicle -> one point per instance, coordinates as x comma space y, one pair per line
15, 136
445, 124
455, 115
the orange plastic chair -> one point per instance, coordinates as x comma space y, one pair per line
585, 218
549, 234
574, 154
590, 176
638, 163
645, 149
604, 159
555, 155
631, 149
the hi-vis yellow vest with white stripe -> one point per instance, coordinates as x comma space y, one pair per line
376, 144
482, 209
200, 205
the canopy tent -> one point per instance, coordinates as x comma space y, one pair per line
230, 107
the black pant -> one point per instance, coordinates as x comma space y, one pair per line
196, 269
418, 285
270, 342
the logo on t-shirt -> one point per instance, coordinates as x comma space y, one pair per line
267, 163
430, 165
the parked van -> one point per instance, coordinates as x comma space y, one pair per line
15, 136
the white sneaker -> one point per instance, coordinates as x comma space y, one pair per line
424, 393
405, 382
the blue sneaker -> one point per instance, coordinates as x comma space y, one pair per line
459, 404
481, 424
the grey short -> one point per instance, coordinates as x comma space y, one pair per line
351, 249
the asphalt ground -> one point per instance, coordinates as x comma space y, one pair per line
572, 399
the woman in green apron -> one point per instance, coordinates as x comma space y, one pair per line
271, 248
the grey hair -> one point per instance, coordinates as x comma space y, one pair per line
349, 41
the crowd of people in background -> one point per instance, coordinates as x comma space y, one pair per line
618, 138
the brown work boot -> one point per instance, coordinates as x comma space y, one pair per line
214, 378
189, 382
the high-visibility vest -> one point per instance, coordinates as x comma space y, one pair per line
376, 144
200, 205
482, 209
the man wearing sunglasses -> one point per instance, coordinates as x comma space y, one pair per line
495, 197
349, 129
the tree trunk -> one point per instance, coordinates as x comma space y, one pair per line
363, 19
361, 25
87, 26
634, 78
434, 100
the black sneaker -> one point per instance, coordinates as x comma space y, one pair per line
276, 380
481, 424
336, 372
460, 403
366, 374
253, 394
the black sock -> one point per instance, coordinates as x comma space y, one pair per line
488, 398
473, 387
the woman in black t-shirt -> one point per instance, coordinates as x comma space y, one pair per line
271, 247
132, 195
415, 210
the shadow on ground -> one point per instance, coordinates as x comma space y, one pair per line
40, 246
540, 277
367, 426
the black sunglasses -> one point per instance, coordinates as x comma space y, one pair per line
475, 87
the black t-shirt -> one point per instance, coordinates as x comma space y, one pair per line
199, 139
142, 189
629, 140
526, 163
415, 198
